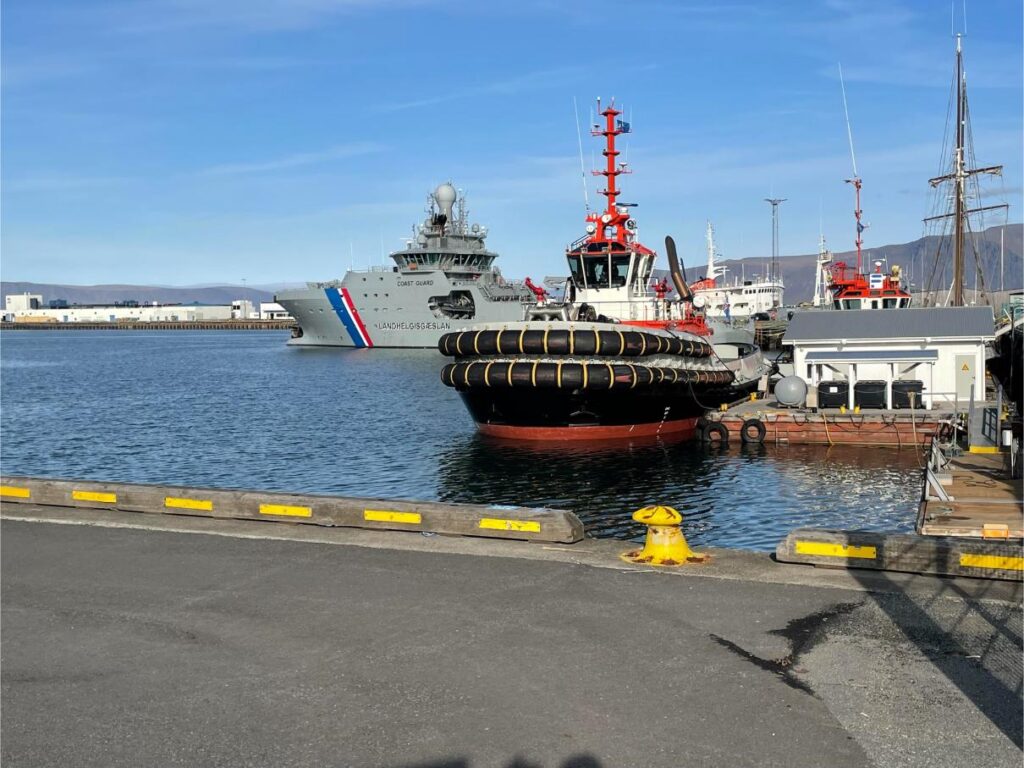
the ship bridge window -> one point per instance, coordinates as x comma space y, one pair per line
851, 303
574, 269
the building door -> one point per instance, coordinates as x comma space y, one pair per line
965, 365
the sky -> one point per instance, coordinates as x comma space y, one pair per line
184, 142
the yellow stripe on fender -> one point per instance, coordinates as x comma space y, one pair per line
387, 516
498, 524
824, 549
174, 502
107, 498
15, 492
285, 510
992, 562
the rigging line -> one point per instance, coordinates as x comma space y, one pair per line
849, 131
579, 141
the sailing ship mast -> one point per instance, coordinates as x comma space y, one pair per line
959, 176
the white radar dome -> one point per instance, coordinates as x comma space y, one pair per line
445, 196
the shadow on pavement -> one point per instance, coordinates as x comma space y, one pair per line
989, 676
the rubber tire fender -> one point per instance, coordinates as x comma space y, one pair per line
759, 431
714, 428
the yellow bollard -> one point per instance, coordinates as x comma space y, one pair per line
665, 543
753, 396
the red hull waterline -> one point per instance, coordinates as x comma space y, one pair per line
679, 429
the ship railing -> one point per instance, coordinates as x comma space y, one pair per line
576, 244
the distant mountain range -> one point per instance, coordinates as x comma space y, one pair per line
916, 258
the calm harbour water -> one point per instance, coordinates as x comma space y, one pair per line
241, 409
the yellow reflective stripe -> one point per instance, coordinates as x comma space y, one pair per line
572, 340
643, 343
108, 498
992, 562
175, 502
285, 510
458, 343
835, 550
584, 375
509, 377
559, 374
388, 516
622, 343
546, 332
487, 373
611, 375
15, 492
522, 333
498, 524
632, 369
476, 340
533, 375
497, 342
467, 374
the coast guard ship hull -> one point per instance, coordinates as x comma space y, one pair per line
443, 279
388, 309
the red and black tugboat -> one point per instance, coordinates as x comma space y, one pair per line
617, 358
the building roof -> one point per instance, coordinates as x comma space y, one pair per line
891, 324
875, 356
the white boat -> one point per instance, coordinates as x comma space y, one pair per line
741, 300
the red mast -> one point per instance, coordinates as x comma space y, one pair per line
857, 212
610, 225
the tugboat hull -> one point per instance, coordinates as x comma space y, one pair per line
564, 415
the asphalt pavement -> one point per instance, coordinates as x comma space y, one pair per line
128, 647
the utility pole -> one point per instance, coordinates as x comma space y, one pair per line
775, 202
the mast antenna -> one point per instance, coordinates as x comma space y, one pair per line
849, 130
579, 141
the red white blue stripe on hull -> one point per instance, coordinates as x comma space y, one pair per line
341, 301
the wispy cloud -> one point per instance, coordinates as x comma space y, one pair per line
548, 78
239, 15
294, 160
62, 183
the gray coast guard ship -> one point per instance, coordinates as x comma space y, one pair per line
443, 279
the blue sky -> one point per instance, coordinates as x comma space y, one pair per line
196, 141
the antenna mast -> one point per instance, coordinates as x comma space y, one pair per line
579, 141
775, 202
857, 212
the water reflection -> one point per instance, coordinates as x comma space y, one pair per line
740, 496
242, 410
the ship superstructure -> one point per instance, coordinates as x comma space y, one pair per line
850, 286
444, 278
741, 299
615, 359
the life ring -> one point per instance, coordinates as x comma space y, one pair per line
759, 431
713, 428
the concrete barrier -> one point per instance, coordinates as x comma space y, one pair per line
910, 553
553, 525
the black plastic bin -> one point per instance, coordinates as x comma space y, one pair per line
869, 394
832, 394
902, 392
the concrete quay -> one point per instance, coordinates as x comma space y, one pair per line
133, 639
